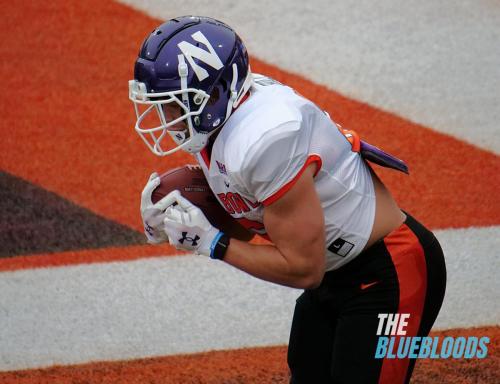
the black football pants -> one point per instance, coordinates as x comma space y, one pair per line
333, 337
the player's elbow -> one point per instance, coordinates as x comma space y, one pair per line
310, 265
317, 279
312, 280
310, 274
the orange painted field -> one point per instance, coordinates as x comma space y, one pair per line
67, 128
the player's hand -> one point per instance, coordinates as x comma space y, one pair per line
153, 214
187, 227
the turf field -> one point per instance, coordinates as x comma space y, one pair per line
84, 300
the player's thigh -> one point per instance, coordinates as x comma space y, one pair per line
353, 355
311, 340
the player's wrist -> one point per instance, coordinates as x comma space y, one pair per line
219, 246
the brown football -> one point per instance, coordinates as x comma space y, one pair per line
191, 182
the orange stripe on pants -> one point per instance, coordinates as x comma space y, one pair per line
409, 260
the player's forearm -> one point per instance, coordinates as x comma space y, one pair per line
266, 262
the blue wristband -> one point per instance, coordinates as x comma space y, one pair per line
214, 244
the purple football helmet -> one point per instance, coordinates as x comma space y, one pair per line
191, 73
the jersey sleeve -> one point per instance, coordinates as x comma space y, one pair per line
275, 162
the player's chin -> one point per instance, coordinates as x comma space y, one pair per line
181, 126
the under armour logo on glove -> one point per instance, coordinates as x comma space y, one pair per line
149, 229
187, 227
194, 241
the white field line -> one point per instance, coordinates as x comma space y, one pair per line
141, 308
172, 305
433, 62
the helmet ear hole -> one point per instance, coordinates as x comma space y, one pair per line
214, 96
224, 85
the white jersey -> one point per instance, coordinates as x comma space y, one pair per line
264, 147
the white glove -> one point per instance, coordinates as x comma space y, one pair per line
154, 214
187, 227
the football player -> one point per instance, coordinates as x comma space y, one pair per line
285, 170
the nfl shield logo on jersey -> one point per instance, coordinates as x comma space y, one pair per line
222, 168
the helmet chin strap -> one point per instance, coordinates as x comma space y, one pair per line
234, 93
244, 88
235, 98
178, 136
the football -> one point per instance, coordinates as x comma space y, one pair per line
191, 182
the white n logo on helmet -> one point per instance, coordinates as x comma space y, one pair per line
208, 57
